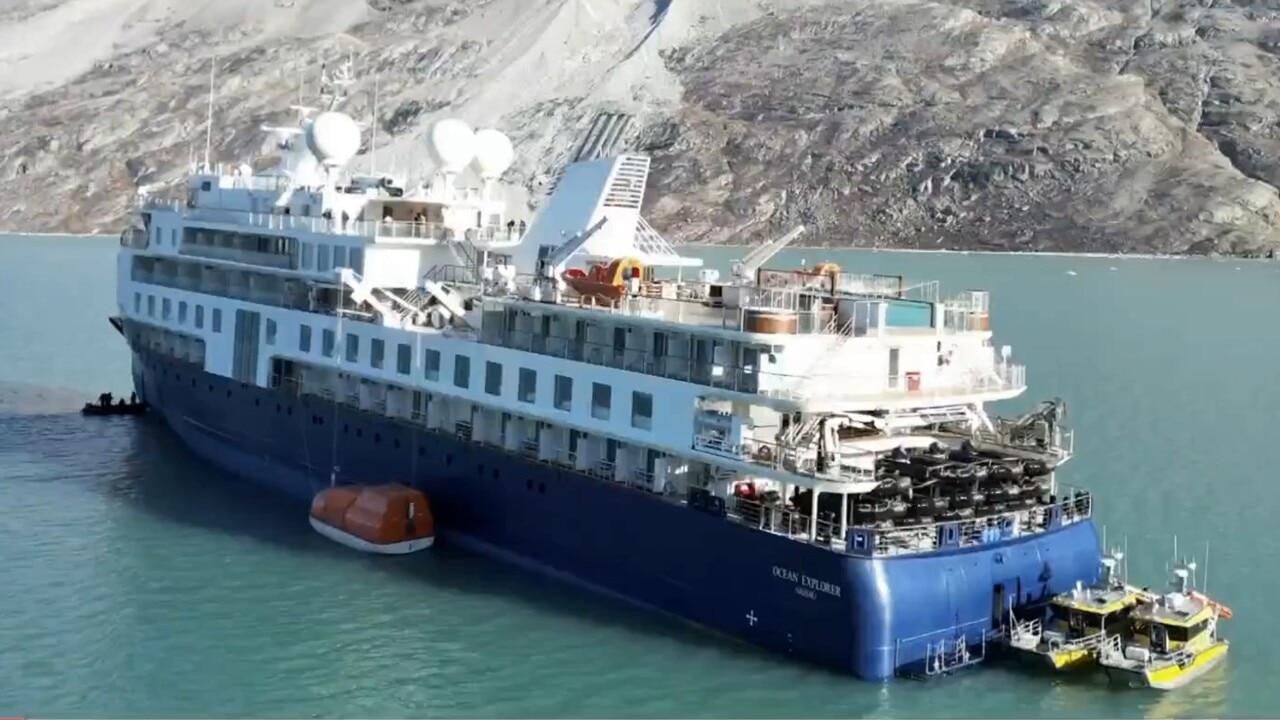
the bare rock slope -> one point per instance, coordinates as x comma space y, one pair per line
1074, 125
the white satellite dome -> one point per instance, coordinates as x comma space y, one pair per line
494, 153
452, 144
333, 137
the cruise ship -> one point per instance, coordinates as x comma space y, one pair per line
799, 458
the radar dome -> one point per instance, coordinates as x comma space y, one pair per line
333, 137
453, 145
494, 153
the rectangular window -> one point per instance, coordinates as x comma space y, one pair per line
137, 303
493, 378
404, 359
166, 308
217, 320
199, 316
352, 347
173, 237
462, 371
528, 389
431, 364
339, 256
304, 338
377, 353
564, 393
601, 401
182, 312
271, 332
307, 259
641, 410
322, 258
327, 341
355, 258
151, 305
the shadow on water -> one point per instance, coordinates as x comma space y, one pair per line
158, 474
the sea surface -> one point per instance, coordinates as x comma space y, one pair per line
137, 582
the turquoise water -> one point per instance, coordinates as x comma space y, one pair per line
136, 582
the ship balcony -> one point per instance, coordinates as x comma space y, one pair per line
842, 390
240, 255
426, 233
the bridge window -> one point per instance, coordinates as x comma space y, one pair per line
151, 305
641, 410
307, 259
339, 256
352, 347
462, 371
217, 320
182, 312
377, 351
355, 258
199, 316
304, 338
564, 393
431, 364
601, 401
327, 341
404, 359
166, 308
271, 330
528, 390
137, 303
322, 258
493, 378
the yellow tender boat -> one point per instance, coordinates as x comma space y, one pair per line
1079, 621
1170, 640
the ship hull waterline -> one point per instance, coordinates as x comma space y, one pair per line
873, 618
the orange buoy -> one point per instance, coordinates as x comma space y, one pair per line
382, 519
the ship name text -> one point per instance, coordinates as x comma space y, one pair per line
807, 586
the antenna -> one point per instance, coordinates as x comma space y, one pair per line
373, 142
208, 129
1204, 585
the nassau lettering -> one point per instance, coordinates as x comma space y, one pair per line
805, 585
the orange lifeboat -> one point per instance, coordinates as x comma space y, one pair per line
605, 282
382, 519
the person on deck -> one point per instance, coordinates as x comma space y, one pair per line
104, 399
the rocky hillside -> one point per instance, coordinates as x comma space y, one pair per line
1076, 125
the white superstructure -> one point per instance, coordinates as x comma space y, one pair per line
583, 339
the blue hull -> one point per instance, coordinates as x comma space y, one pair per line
873, 618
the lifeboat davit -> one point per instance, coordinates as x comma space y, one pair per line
381, 519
